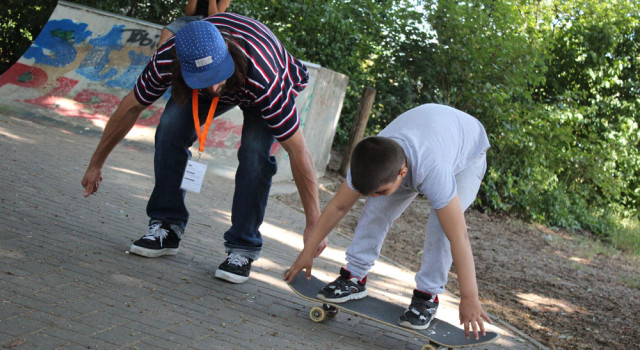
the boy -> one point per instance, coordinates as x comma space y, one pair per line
434, 150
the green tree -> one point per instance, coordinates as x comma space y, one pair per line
555, 83
344, 36
592, 88
20, 24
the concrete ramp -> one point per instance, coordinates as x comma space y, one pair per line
85, 60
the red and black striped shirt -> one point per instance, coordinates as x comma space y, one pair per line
274, 76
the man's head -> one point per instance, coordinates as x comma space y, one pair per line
378, 165
203, 55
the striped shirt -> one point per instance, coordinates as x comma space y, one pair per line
274, 76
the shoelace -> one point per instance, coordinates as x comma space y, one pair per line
419, 307
156, 231
236, 259
341, 284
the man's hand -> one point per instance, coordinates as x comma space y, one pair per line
471, 316
304, 261
91, 181
120, 123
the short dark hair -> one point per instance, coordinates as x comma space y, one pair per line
375, 161
181, 93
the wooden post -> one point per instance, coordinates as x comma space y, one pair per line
359, 124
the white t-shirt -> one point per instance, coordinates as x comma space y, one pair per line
439, 142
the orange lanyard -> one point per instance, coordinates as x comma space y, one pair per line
202, 135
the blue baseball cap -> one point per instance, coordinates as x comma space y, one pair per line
203, 55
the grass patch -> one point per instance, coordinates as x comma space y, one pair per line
627, 238
632, 281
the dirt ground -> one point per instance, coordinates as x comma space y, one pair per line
562, 288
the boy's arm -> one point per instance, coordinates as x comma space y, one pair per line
454, 226
337, 208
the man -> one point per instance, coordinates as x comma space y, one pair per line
247, 67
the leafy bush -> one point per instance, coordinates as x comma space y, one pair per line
555, 84
20, 24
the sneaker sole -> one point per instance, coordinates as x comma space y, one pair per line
229, 277
407, 324
354, 296
152, 253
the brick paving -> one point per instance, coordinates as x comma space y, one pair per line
67, 281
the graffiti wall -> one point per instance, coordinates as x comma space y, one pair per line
85, 60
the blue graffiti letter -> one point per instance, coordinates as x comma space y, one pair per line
129, 76
55, 44
98, 59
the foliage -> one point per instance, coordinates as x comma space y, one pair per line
343, 36
592, 85
594, 72
160, 12
555, 83
20, 24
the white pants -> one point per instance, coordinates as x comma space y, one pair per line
380, 212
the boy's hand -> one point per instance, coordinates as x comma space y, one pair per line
471, 316
304, 261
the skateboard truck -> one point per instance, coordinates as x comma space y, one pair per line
318, 314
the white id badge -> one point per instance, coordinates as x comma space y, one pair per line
193, 176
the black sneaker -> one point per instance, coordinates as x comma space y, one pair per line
160, 240
344, 288
421, 311
235, 269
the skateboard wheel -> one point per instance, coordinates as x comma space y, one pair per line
429, 347
331, 311
317, 314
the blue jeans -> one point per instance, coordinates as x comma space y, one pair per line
174, 135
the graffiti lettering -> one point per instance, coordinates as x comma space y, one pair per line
48, 100
22, 75
221, 130
96, 102
127, 79
55, 44
97, 60
66, 44
141, 36
150, 116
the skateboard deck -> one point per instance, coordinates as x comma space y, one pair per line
439, 334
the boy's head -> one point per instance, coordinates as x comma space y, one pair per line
378, 165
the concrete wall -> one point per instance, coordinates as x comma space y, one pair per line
85, 60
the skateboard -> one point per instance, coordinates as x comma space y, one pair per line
439, 335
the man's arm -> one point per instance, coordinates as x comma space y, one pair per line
304, 175
454, 226
337, 208
120, 123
